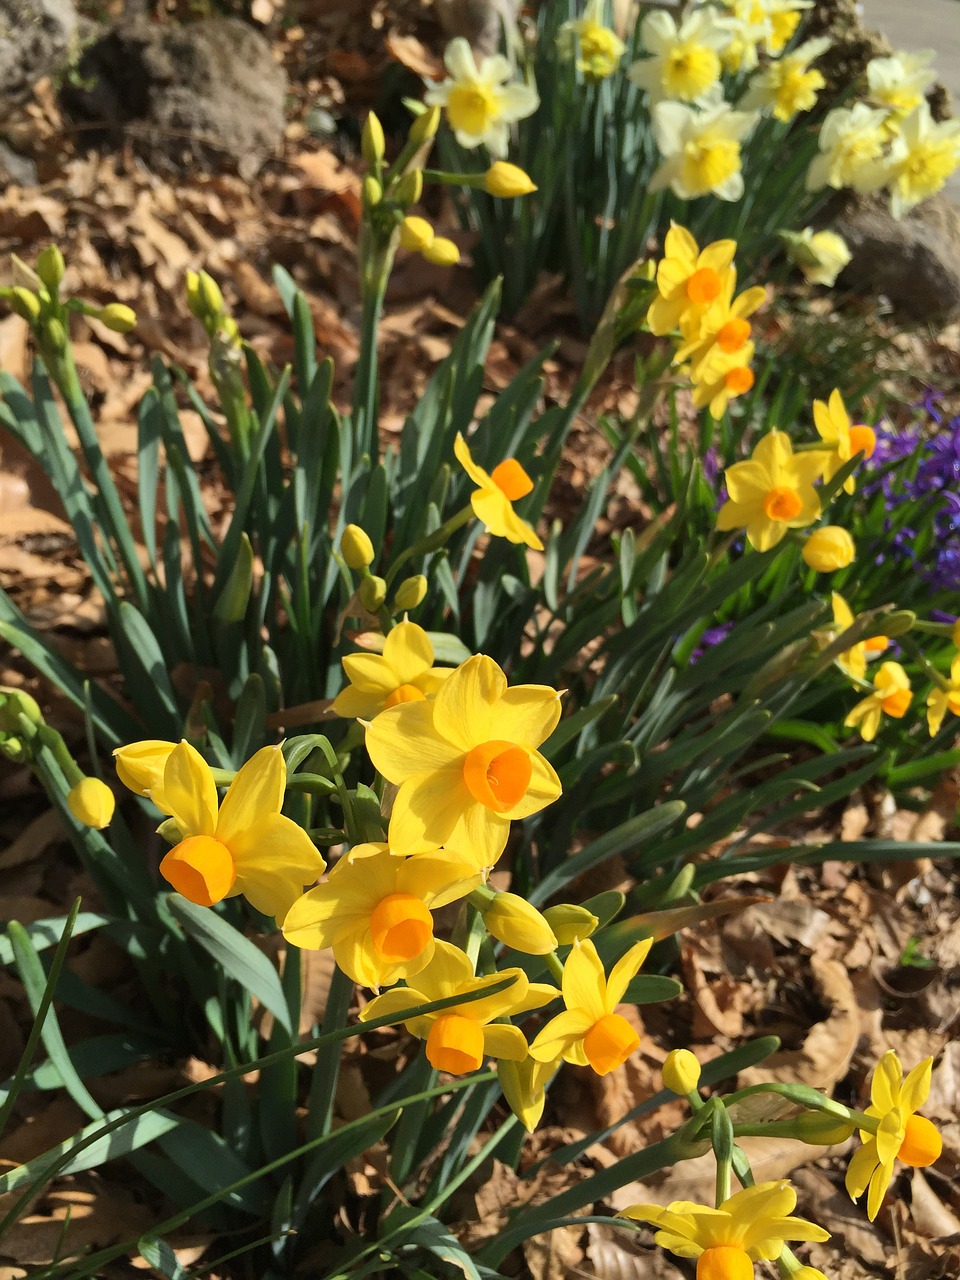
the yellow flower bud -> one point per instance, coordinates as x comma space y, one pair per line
681, 1072
194, 301
416, 234
210, 295
91, 802
409, 188
372, 592
372, 191
356, 547
507, 181
821, 1129
570, 922
25, 303
54, 335
372, 142
425, 126
119, 318
828, 549
50, 267
411, 592
442, 251
511, 919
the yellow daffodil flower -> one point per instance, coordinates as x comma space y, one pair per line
140, 767
751, 1226
244, 845
481, 102
590, 1033
689, 282
748, 25
899, 82
723, 327
599, 48
891, 696
498, 491
899, 1133
788, 86
922, 157
467, 763
828, 549
524, 1086
684, 61
784, 18
374, 911
844, 438
700, 148
721, 376
820, 255
460, 1037
772, 492
404, 672
853, 661
851, 143
940, 701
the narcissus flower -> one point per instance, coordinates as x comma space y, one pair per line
689, 281
700, 148
466, 763
599, 48
498, 491
772, 492
685, 61
374, 911
460, 1037
900, 81
481, 102
891, 696
721, 376
853, 661
92, 803
524, 1086
820, 255
851, 143
788, 85
828, 549
244, 845
751, 1226
940, 700
784, 19
922, 157
590, 1033
404, 672
897, 1132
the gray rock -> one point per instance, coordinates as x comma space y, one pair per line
914, 262
15, 169
35, 40
209, 92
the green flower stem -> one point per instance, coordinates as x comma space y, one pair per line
376, 252
804, 1096
945, 629
555, 966
938, 678
431, 542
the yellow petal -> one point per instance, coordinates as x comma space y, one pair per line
409, 652
584, 983
254, 794
528, 714
465, 458
885, 1085
140, 765
465, 710
436, 878
395, 1001
275, 858
879, 1184
403, 742
624, 971
916, 1088
428, 811
356, 704
543, 789
560, 1034
501, 1040
190, 792
860, 1169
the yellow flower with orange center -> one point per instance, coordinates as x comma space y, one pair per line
244, 845
853, 661
891, 697
466, 763
722, 330
404, 672
750, 1226
940, 700
899, 1133
590, 1032
844, 438
771, 492
374, 911
498, 490
689, 282
461, 1036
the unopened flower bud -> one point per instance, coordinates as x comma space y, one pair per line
828, 549
50, 267
356, 547
442, 251
210, 295
15, 703
372, 191
511, 919
140, 765
571, 923
24, 303
901, 621
425, 126
411, 592
409, 188
91, 802
372, 592
119, 318
54, 336
416, 234
681, 1072
820, 255
372, 142
820, 1128
507, 181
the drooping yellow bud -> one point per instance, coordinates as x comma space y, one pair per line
92, 803
119, 318
828, 549
507, 181
409, 188
356, 547
425, 126
681, 1072
511, 919
455, 1044
140, 765
25, 303
372, 191
442, 251
411, 592
416, 234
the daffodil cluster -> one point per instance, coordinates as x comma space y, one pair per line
889, 139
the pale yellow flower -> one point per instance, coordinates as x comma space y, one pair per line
700, 148
900, 81
481, 102
922, 157
599, 48
788, 86
685, 61
820, 255
851, 143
